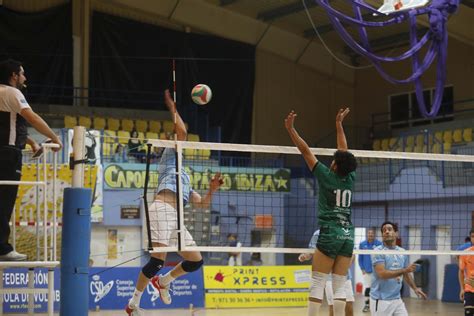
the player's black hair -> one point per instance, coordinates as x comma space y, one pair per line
345, 162
7, 68
394, 225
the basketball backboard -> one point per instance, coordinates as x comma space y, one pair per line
391, 6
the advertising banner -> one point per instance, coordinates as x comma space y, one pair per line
113, 289
132, 176
18, 278
108, 290
262, 286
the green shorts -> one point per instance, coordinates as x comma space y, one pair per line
335, 240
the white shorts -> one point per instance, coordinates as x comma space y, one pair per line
164, 225
387, 308
347, 287
367, 280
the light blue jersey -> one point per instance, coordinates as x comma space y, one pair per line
387, 289
167, 175
314, 241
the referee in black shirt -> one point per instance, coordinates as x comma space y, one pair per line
15, 112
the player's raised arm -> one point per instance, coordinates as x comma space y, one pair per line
180, 127
341, 136
299, 142
214, 185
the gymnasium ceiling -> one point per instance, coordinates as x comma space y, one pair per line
283, 26
291, 16
278, 26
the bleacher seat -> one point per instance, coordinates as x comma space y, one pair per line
448, 136
168, 126
457, 135
436, 149
447, 148
141, 136
193, 137
189, 153
409, 149
410, 141
164, 135
141, 126
418, 149
151, 135
123, 137
85, 121
154, 126
467, 134
110, 136
128, 125
108, 149
439, 137
392, 143
384, 144
113, 124
99, 122
204, 154
70, 121
376, 145
420, 140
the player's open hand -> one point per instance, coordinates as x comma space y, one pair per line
304, 257
216, 182
169, 101
342, 114
421, 294
290, 120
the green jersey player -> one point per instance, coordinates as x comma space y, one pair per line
336, 241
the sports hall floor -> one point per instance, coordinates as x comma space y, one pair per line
415, 308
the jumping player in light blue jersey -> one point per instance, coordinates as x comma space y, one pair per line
164, 218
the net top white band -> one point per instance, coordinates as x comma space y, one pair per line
316, 151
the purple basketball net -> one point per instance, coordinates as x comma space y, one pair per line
438, 12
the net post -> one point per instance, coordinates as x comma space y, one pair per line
145, 198
76, 236
79, 152
179, 191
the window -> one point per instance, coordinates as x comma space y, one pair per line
404, 110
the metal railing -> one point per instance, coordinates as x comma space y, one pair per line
49, 259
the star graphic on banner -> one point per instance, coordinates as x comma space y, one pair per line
281, 183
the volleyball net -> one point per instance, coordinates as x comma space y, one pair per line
268, 200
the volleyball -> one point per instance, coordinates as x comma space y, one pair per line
201, 94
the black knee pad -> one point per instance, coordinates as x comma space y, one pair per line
191, 266
468, 311
152, 267
367, 292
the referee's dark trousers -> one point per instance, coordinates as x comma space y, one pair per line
10, 169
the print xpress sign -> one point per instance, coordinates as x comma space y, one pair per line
132, 176
271, 286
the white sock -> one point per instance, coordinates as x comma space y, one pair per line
166, 279
339, 308
313, 308
135, 300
